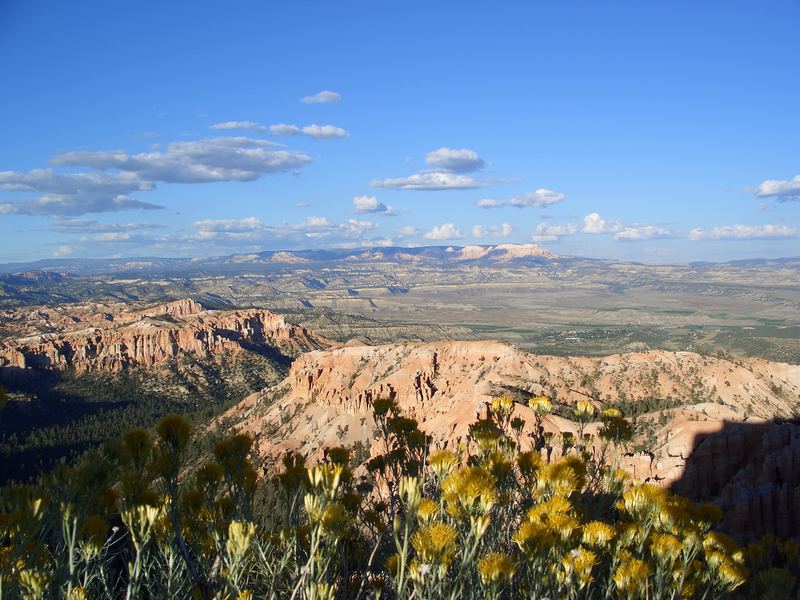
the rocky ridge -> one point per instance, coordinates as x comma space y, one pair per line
110, 341
711, 431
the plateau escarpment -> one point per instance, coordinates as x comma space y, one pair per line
77, 374
678, 400
150, 337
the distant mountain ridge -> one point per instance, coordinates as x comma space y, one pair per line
489, 253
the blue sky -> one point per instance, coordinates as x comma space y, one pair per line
657, 132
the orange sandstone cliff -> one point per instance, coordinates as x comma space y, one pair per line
711, 436
111, 342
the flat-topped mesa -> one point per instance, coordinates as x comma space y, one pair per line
147, 339
501, 252
523, 251
178, 308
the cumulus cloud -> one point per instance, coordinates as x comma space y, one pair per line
323, 97
321, 227
318, 132
324, 132
446, 231
782, 189
551, 233
595, 224
432, 181
538, 199
743, 232
455, 161
317, 221
370, 204
407, 231
237, 225
640, 233
115, 174
285, 130
63, 250
482, 231
253, 230
199, 161
243, 125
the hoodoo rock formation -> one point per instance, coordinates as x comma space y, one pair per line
686, 405
152, 336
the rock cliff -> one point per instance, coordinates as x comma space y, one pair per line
687, 407
111, 342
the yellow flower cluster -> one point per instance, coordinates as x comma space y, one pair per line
504, 514
541, 405
442, 462
469, 491
436, 544
496, 568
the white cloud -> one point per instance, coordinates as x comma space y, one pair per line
743, 232
538, 198
640, 233
446, 231
320, 227
318, 132
481, 231
285, 129
782, 189
88, 226
238, 225
63, 251
323, 97
74, 205
324, 132
594, 223
370, 204
407, 231
551, 233
433, 180
317, 221
199, 161
253, 230
243, 125
48, 181
455, 161
109, 236
365, 243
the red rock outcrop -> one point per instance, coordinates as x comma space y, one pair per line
325, 401
752, 471
716, 444
149, 337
